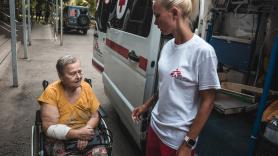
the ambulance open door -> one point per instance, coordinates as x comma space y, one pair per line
130, 59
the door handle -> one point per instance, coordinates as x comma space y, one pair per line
132, 55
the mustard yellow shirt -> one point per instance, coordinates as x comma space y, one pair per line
74, 115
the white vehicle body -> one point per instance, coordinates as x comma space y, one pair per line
102, 15
98, 53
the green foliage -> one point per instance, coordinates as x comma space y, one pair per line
81, 2
92, 6
78, 2
89, 3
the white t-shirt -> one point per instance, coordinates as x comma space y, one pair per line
183, 70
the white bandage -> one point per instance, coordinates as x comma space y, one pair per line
58, 131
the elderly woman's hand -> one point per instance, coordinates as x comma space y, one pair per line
81, 144
85, 133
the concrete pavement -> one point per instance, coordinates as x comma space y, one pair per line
18, 105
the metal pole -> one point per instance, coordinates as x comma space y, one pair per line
56, 19
24, 29
13, 42
61, 22
264, 97
29, 22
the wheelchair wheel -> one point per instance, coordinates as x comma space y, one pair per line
36, 149
108, 138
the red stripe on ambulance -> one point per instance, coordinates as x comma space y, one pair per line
143, 62
118, 48
97, 66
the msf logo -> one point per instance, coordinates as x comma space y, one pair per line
178, 75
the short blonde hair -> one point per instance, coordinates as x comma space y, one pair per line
188, 7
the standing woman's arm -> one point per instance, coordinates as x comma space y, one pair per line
206, 105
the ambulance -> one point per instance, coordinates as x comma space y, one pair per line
127, 46
126, 50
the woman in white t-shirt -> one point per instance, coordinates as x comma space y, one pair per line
187, 82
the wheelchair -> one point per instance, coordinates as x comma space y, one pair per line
38, 137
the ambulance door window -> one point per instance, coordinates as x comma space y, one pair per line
140, 18
120, 14
102, 13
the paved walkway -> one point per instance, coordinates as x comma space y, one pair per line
18, 105
41, 32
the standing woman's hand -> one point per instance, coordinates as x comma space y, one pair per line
138, 111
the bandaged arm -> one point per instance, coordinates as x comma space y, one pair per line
50, 116
58, 131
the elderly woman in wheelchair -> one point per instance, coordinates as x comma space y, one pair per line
69, 112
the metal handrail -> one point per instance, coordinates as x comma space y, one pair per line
3, 13
5, 24
4, 28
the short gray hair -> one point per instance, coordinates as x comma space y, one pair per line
63, 61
